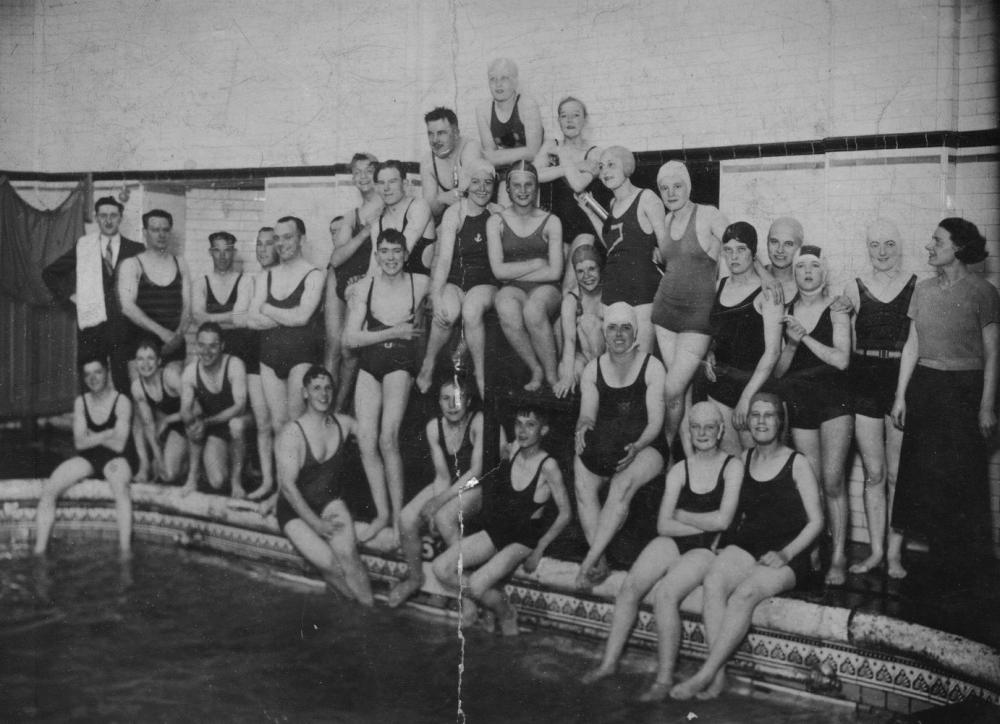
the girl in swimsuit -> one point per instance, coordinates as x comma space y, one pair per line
582, 319
100, 450
381, 327
525, 251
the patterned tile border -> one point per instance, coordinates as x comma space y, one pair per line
885, 677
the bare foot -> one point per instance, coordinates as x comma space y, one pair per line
582, 582
688, 689
896, 570
189, 487
268, 506
237, 491
261, 492
869, 563
403, 590
599, 573
424, 379
595, 675
535, 383
837, 573
717, 686
507, 618
141, 476
659, 691
470, 612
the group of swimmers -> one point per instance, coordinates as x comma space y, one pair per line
643, 303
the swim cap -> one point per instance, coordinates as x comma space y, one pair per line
480, 165
625, 158
620, 313
582, 253
808, 252
674, 168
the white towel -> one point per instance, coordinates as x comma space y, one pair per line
90, 307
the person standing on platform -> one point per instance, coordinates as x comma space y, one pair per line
85, 276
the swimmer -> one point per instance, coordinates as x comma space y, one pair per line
618, 436
766, 553
352, 259
813, 380
285, 308
683, 302
881, 299
582, 318
455, 439
407, 214
746, 324
213, 406
100, 451
518, 524
267, 257
157, 395
444, 177
572, 166
382, 327
462, 282
699, 501
332, 316
633, 233
526, 255
311, 512
510, 124
784, 239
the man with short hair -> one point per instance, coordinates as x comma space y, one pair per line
442, 176
85, 276
784, 239
213, 403
405, 213
155, 291
311, 511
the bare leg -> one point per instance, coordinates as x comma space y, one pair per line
216, 460
276, 395
442, 322
510, 304
410, 524
446, 517
646, 337
870, 434
65, 476
893, 443
141, 450
682, 578
682, 355
118, 475
471, 551
539, 309
835, 440
333, 319
265, 436
395, 396
651, 565
348, 376
368, 405
175, 449
477, 302
647, 464
588, 509
484, 582
196, 449
237, 455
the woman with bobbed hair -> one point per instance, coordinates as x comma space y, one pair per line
946, 403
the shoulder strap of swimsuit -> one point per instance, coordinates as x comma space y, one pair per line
538, 471
642, 370
142, 267
405, 213
588, 152
725, 464
305, 437
413, 296
268, 282
371, 286
145, 391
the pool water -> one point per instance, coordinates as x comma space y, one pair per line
177, 635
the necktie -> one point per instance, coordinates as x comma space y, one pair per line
108, 257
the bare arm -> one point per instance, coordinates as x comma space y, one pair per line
238, 383
187, 394
254, 318
345, 244
547, 170
185, 298
589, 399
531, 117
839, 354
502, 270
721, 519
907, 363
808, 487
148, 420
651, 209
447, 231
289, 454
667, 523
987, 410
298, 316
83, 438
356, 336
554, 480
418, 215
128, 290
567, 318
655, 406
771, 311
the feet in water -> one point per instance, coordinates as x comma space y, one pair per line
837, 573
403, 590
658, 691
470, 612
595, 675
868, 564
507, 618
189, 487
699, 686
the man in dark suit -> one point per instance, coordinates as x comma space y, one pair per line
85, 276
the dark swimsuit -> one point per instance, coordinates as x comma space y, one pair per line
770, 515
356, 267
880, 327
815, 391
738, 345
100, 455
512, 516
564, 205
683, 300
284, 347
621, 420
166, 405
629, 272
213, 403
470, 262
243, 343
524, 248
459, 462
317, 482
381, 358
694, 502
164, 305
415, 258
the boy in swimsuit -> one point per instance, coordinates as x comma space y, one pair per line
524, 244
382, 327
618, 436
518, 525
157, 394
582, 320
462, 282
100, 448
407, 214
311, 513
443, 172
213, 403
455, 439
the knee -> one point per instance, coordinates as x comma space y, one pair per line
534, 315
508, 310
388, 440
476, 588
833, 484
215, 476
746, 596
629, 592
237, 427
472, 315
409, 518
445, 571
713, 586
622, 488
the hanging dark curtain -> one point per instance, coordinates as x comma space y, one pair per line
38, 338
